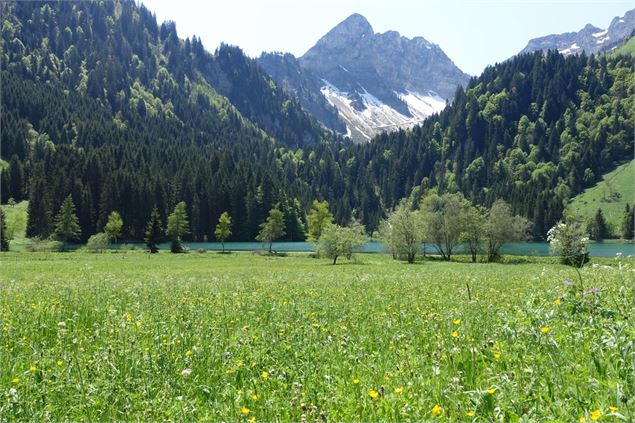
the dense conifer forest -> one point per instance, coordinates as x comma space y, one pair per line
101, 103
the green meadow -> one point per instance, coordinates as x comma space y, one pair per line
242, 337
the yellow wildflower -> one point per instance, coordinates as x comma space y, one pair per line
614, 409
557, 301
595, 415
355, 381
264, 375
544, 330
254, 397
373, 394
60, 362
471, 413
246, 328
188, 353
582, 419
15, 380
32, 369
399, 390
244, 410
252, 420
437, 410
497, 356
457, 322
491, 391
455, 334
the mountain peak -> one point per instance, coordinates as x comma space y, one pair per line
355, 24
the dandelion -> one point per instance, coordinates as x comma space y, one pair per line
188, 353
595, 415
244, 410
264, 375
545, 330
60, 362
455, 334
373, 394
355, 381
614, 409
246, 328
32, 369
557, 301
457, 322
497, 356
254, 397
471, 413
399, 390
491, 391
437, 410
15, 380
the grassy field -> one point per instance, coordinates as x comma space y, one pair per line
616, 189
239, 337
16, 216
627, 49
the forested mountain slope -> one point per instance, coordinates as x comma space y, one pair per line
100, 102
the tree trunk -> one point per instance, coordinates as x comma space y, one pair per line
334, 260
270, 244
223, 244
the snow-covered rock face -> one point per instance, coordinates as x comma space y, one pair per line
589, 39
381, 82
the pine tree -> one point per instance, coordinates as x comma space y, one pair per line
178, 226
223, 229
4, 238
597, 228
113, 226
273, 228
154, 231
39, 217
628, 222
66, 222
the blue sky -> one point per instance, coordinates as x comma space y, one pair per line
473, 33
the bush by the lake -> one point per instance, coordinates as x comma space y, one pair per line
98, 242
569, 241
38, 245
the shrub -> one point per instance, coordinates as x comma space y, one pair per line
97, 243
569, 240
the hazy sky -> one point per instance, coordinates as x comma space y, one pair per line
473, 33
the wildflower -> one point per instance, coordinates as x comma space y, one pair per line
471, 413
399, 390
244, 410
544, 330
455, 334
457, 322
188, 353
264, 375
437, 410
582, 419
355, 381
557, 301
254, 397
568, 282
614, 409
595, 415
491, 391
246, 328
497, 356
373, 394
591, 291
60, 362
252, 420
32, 369
186, 372
15, 380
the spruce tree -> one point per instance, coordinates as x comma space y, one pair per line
628, 222
4, 238
66, 222
598, 230
178, 226
38, 212
154, 231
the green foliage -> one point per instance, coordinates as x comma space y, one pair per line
569, 241
66, 222
628, 222
178, 226
443, 221
223, 229
98, 243
473, 230
4, 236
597, 228
501, 227
336, 241
38, 245
401, 232
273, 228
113, 226
319, 217
154, 231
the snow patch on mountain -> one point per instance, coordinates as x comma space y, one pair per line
376, 116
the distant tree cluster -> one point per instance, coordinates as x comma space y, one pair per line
448, 221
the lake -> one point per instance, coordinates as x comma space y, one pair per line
603, 249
